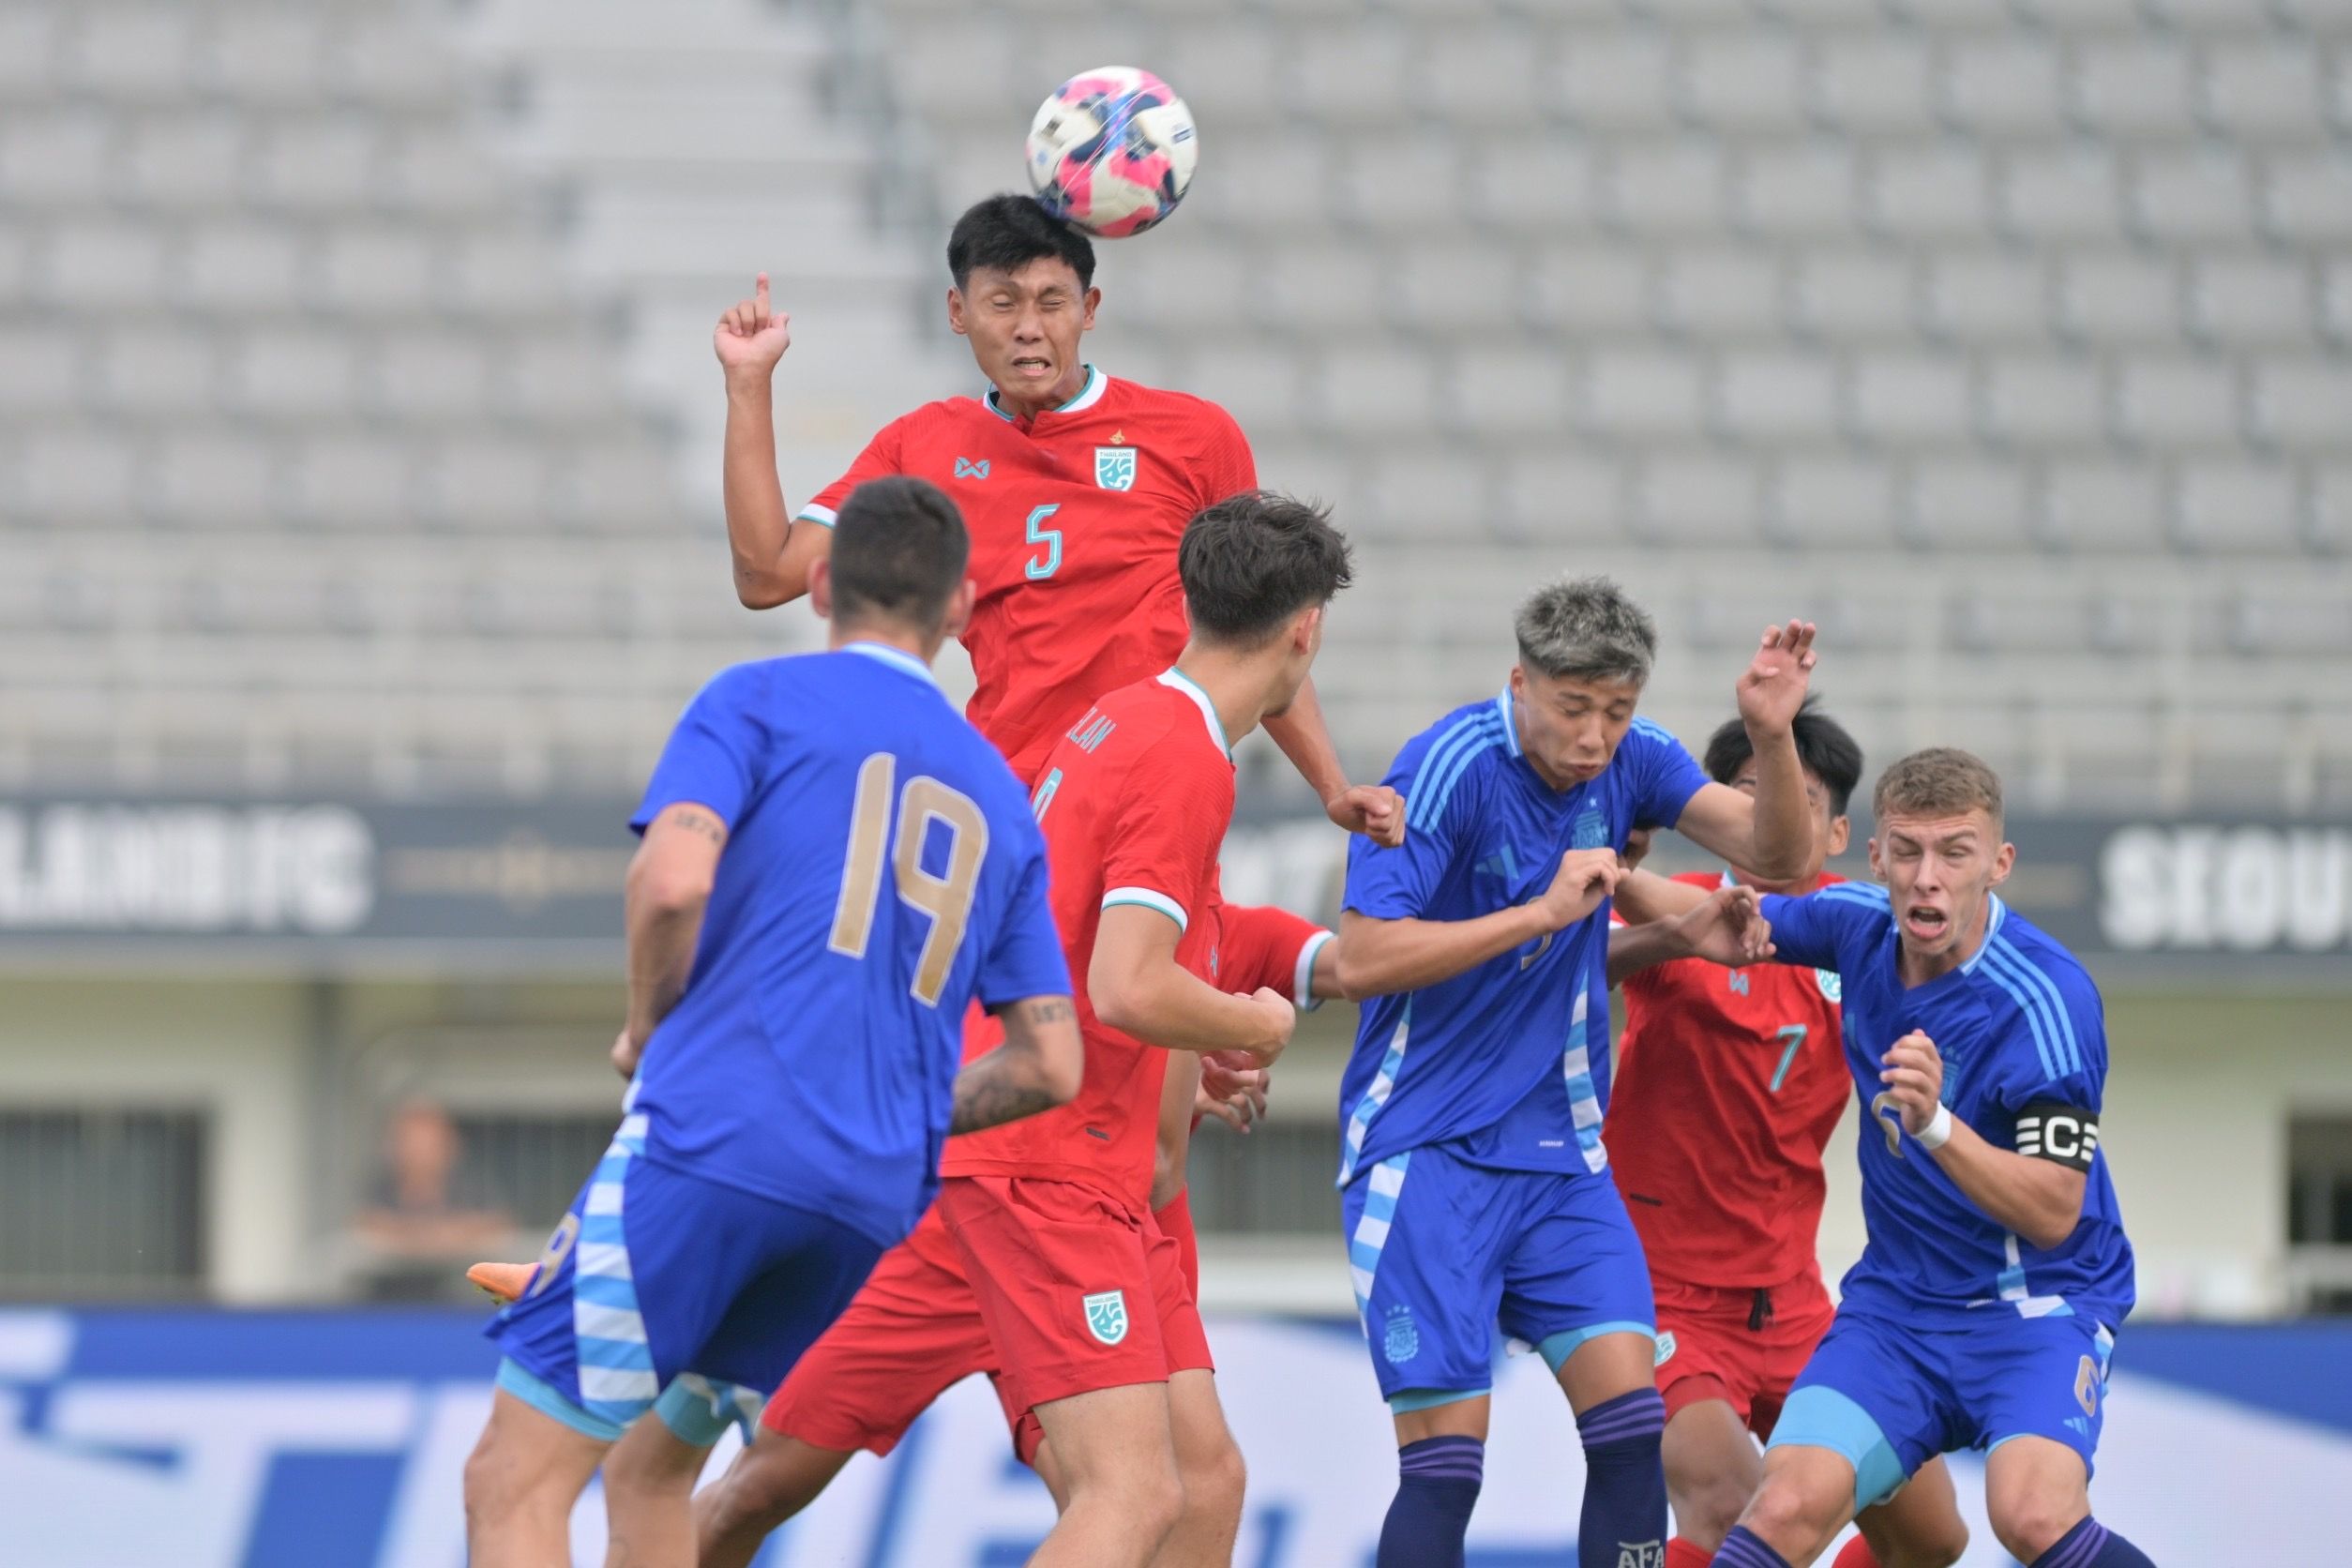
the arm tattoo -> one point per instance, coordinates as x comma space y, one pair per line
697, 821
985, 1099
1042, 1010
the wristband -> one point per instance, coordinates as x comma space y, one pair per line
1939, 1129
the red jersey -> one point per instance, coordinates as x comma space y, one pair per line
1259, 945
1074, 518
1729, 1083
1134, 805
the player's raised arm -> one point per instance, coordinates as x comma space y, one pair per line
1722, 927
1769, 832
1374, 810
670, 881
1036, 1068
1137, 987
771, 555
2038, 1194
1385, 956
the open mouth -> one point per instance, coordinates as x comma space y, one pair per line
1928, 924
1031, 365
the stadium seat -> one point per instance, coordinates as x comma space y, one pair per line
2329, 518
1547, 496
1870, 84
2262, 90
2302, 404
1910, 398
2199, 197
1666, 187
2166, 404
2238, 508
1855, 296
1643, 393
477, 483
1777, 398
1582, 288
212, 479
187, 159
2335, 302
2250, 301
1805, 190
1994, 299
2044, 402
2309, 197
292, 373
155, 368
1457, 286
41, 367
1697, 497
2005, 85
1721, 293
240, 266
2119, 297
32, 38
1833, 504
2137, 85
1415, 492
1746, 82
1379, 389
133, 53
423, 377
1335, 286
276, 55
1532, 185
368, 269
2103, 506
1351, 75
76, 474
1935, 193
100, 263
1961, 504
1261, 384
1406, 186
353, 483
1485, 79
1614, 81
1508, 393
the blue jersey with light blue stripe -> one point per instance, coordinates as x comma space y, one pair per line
2018, 1023
1508, 1060
882, 871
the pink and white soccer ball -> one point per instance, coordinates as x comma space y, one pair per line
1111, 151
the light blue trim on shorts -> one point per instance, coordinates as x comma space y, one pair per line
1818, 1416
1558, 1347
698, 1410
544, 1398
1430, 1398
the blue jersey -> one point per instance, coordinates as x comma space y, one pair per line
1509, 1061
882, 871
2018, 1024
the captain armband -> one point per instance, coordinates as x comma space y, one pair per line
2061, 1133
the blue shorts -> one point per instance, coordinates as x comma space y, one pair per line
1889, 1397
1445, 1252
656, 1275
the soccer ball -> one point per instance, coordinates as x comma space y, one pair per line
1111, 151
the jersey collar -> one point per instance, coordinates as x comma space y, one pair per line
1510, 721
1992, 927
1178, 681
897, 658
1087, 396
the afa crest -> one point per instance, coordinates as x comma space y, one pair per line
1403, 1341
1107, 1315
1590, 832
1114, 467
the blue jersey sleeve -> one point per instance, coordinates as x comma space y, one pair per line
1025, 959
1440, 812
1666, 775
2060, 1014
714, 756
1816, 928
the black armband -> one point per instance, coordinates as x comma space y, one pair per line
2061, 1133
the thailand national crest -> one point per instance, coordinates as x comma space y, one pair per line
1832, 986
1107, 1315
1114, 467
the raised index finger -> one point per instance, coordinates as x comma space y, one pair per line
760, 298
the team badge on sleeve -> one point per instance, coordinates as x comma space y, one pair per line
1107, 1315
1114, 467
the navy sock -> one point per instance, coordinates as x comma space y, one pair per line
1437, 1486
1742, 1548
2092, 1545
1624, 1482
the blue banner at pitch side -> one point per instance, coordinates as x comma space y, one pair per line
214, 1440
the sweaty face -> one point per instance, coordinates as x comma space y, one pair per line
1829, 830
1939, 872
1570, 729
1025, 327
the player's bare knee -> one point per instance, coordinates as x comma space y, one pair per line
1794, 1507
1214, 1483
1707, 1511
2030, 1523
1939, 1550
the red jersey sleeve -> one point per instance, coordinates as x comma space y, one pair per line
1263, 945
1225, 466
1175, 803
883, 455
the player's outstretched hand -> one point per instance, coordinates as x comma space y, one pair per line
1774, 687
1914, 1076
626, 1054
751, 336
1374, 810
1584, 878
1729, 929
1236, 1096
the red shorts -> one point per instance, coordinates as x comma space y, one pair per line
1079, 1292
916, 1330
1739, 1345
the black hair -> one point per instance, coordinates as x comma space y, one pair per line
1007, 233
1252, 561
1824, 749
900, 549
